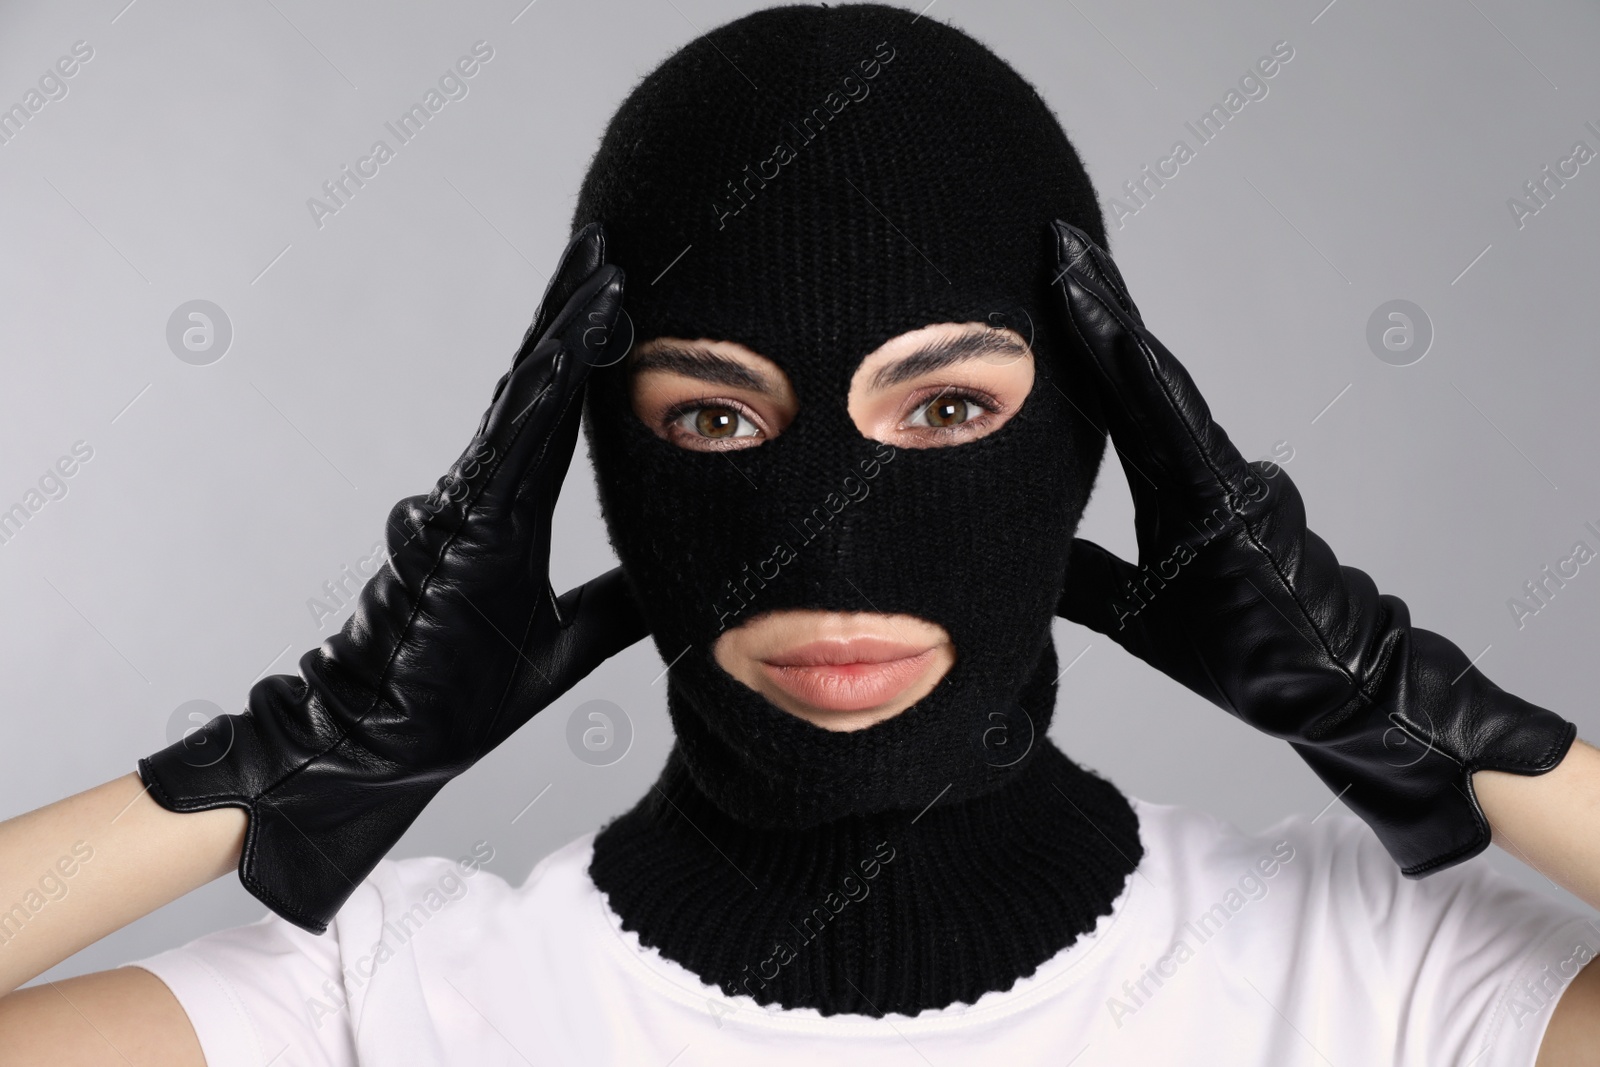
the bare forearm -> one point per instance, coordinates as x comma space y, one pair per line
76, 870
1550, 821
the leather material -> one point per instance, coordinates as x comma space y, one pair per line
453, 645
1236, 599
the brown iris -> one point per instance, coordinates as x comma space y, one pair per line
716, 421
947, 411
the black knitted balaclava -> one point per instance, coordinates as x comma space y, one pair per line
810, 182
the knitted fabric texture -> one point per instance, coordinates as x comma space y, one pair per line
878, 914
883, 172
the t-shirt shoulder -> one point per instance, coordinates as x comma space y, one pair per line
1461, 966
1304, 931
270, 992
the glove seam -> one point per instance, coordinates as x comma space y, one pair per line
438, 561
258, 889
1368, 685
1331, 722
1555, 752
1151, 363
188, 804
556, 371
1460, 854
247, 852
1485, 831
248, 858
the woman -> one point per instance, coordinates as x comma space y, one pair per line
879, 350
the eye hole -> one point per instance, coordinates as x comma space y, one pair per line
714, 422
947, 411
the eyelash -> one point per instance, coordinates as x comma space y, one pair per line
671, 417
990, 407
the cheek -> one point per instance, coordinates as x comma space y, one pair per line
731, 656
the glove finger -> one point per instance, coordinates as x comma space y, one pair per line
1096, 585
599, 619
581, 258
533, 426
527, 436
590, 624
1082, 254
1157, 419
584, 255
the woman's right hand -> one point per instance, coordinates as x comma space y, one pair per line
454, 644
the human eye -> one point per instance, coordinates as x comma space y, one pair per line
711, 424
950, 411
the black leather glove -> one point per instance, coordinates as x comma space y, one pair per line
1237, 600
455, 643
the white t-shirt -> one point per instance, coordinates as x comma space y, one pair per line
1299, 945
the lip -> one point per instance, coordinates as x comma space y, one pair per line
849, 675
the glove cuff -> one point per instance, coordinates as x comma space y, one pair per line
1405, 763
315, 830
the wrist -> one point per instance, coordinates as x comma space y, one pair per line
1547, 820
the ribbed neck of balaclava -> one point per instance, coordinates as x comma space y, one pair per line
886, 913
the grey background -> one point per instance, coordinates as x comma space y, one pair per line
219, 498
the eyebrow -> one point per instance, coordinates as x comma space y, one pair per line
699, 362
703, 364
946, 352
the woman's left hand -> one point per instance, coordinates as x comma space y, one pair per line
1236, 599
